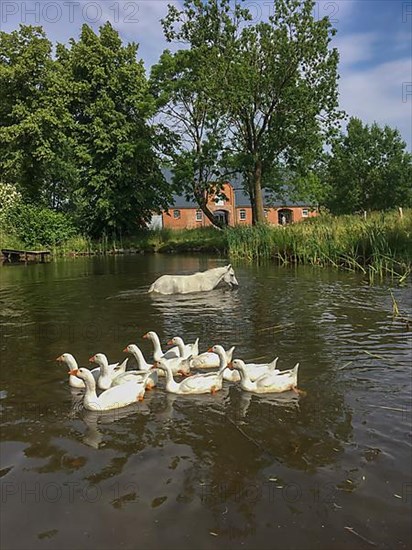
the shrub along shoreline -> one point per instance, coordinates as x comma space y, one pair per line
378, 246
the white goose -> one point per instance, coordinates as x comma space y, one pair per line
210, 359
176, 363
107, 372
113, 398
142, 367
113, 370
137, 376
228, 374
142, 364
196, 384
254, 370
273, 381
157, 351
107, 378
184, 349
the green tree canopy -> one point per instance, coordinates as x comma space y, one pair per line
119, 180
190, 124
274, 82
369, 168
35, 153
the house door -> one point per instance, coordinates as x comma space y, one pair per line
222, 216
285, 216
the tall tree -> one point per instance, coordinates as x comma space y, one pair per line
119, 183
275, 82
35, 153
369, 168
190, 124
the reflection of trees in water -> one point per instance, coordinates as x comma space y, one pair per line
306, 435
234, 437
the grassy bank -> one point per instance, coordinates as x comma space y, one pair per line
378, 246
208, 239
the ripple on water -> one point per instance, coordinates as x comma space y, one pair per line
248, 468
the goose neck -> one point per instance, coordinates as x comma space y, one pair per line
140, 360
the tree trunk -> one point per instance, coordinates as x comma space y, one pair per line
208, 213
254, 217
249, 188
252, 202
259, 214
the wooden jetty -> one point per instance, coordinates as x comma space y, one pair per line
13, 255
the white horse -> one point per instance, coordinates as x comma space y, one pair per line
198, 282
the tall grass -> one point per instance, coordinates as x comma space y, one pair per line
379, 245
9, 240
206, 239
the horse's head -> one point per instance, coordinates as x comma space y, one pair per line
229, 277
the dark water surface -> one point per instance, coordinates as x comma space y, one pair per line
330, 470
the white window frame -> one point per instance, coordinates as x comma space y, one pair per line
305, 213
176, 214
199, 215
242, 215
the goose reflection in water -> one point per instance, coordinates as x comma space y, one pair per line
287, 401
93, 436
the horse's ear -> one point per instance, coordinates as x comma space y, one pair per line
229, 266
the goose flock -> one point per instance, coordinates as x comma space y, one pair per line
120, 387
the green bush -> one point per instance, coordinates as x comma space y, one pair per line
37, 226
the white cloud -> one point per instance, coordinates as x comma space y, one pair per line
337, 10
379, 94
354, 48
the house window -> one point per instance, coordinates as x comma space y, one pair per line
199, 215
176, 214
219, 201
242, 215
305, 212
266, 213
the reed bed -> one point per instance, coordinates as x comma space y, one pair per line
206, 239
377, 246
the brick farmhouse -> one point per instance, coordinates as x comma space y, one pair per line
232, 207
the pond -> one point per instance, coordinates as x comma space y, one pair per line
330, 469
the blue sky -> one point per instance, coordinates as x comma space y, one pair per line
374, 39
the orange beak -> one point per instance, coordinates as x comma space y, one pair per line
230, 366
125, 350
210, 350
73, 372
60, 358
91, 360
145, 335
153, 366
170, 342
